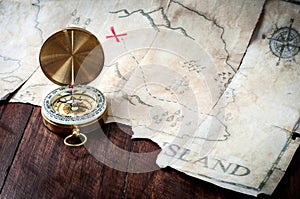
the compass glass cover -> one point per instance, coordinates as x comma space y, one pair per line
74, 105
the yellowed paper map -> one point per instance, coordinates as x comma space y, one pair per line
260, 111
20, 43
182, 73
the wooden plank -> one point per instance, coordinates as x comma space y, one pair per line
142, 167
116, 160
45, 168
2, 107
12, 125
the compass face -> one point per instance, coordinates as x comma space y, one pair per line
77, 104
74, 105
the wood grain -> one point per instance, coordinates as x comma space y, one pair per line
45, 168
13, 120
36, 164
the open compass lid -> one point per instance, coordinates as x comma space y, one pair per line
71, 56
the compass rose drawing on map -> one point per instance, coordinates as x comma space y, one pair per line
285, 42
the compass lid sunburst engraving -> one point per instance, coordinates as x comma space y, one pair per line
71, 56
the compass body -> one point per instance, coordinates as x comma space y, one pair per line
72, 58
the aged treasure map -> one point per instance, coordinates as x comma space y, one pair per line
214, 83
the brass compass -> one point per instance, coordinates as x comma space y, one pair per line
72, 58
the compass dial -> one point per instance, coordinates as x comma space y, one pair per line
74, 105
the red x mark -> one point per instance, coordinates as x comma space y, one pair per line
115, 35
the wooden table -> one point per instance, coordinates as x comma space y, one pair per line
36, 164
